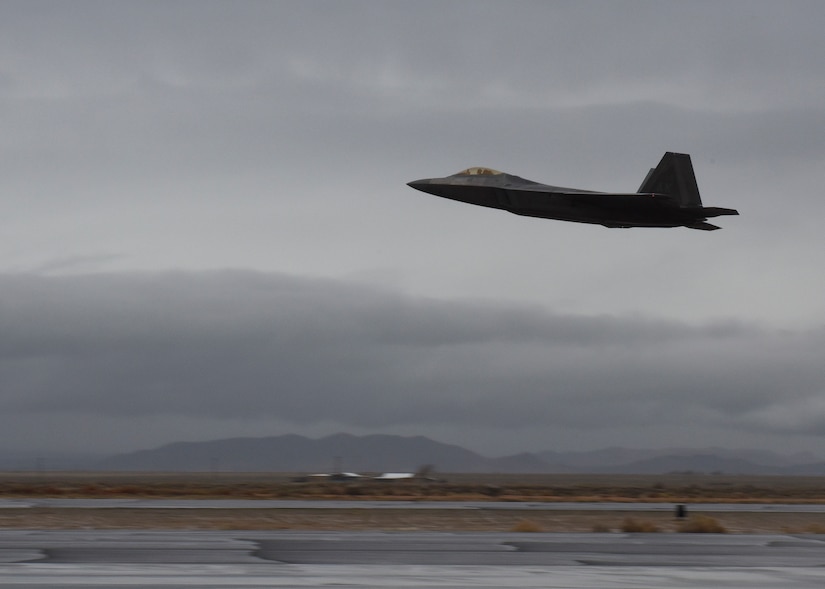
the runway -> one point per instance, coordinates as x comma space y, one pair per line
50, 502
232, 559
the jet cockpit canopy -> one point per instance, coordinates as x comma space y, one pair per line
479, 171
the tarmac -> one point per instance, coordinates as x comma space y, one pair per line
256, 559
50, 502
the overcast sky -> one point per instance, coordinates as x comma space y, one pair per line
206, 232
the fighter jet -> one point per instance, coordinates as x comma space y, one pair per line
668, 197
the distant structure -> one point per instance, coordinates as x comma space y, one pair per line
423, 474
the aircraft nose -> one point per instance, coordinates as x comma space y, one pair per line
419, 184
428, 185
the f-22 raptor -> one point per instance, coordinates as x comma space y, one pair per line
668, 197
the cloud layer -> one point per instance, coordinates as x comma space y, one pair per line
237, 345
146, 147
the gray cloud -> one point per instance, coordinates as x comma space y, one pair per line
243, 345
277, 137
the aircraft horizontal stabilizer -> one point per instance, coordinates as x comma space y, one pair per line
718, 211
703, 226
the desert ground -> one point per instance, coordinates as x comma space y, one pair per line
692, 490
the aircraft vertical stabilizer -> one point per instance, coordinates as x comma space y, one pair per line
674, 176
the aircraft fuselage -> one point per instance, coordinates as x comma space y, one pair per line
675, 203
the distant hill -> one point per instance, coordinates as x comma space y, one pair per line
526, 463
616, 458
390, 453
292, 453
700, 463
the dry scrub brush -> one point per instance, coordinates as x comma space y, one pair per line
703, 524
526, 525
632, 525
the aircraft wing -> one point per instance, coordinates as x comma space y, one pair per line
589, 196
614, 198
596, 199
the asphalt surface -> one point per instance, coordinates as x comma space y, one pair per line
167, 559
315, 504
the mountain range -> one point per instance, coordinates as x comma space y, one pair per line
382, 453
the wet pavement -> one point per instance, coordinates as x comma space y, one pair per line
322, 504
253, 559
